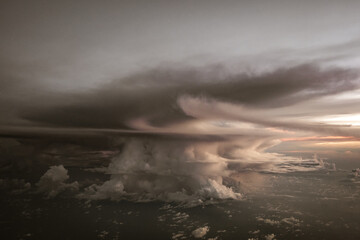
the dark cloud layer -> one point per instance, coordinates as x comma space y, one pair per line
153, 94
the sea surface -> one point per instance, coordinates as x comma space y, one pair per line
320, 204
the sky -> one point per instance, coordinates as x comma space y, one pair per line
203, 89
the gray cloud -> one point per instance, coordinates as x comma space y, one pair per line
153, 95
53, 181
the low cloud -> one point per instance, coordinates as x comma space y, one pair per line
291, 221
268, 221
200, 232
270, 237
53, 181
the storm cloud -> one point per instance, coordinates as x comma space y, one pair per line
153, 95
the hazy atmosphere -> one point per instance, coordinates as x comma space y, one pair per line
180, 119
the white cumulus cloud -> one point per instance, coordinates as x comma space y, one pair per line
200, 232
53, 182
